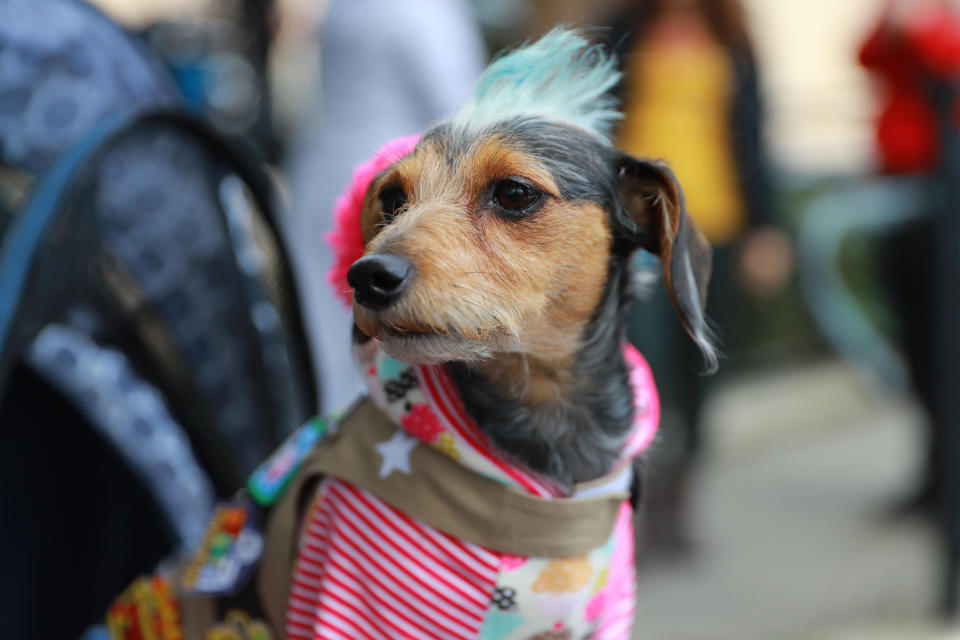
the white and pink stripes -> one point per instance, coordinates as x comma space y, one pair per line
366, 570
440, 393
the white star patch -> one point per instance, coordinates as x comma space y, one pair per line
396, 453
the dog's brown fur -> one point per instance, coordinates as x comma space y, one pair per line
530, 286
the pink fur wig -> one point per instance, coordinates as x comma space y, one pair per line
346, 238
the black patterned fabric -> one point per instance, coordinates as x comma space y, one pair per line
63, 67
175, 246
154, 352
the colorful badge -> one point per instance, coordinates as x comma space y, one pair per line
268, 482
238, 625
147, 610
230, 549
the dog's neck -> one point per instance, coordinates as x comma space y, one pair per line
566, 418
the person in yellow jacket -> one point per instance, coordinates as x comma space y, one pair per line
691, 97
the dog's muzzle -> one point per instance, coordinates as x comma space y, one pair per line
379, 280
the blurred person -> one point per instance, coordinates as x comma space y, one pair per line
691, 96
914, 45
388, 69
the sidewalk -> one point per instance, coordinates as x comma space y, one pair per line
788, 514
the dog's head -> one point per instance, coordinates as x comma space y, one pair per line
498, 233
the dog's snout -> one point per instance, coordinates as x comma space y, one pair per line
379, 280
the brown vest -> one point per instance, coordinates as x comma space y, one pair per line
439, 492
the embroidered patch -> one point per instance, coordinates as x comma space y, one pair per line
146, 610
505, 598
396, 387
447, 445
238, 625
230, 549
564, 575
271, 478
423, 423
396, 453
500, 624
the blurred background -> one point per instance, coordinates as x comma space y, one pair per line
805, 492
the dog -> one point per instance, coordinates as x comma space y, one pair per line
482, 489
497, 247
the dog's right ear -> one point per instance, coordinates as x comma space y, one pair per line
654, 201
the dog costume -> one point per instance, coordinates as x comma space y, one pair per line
400, 519
367, 567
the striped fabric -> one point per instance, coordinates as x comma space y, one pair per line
476, 451
366, 570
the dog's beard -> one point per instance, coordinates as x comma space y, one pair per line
436, 348
417, 339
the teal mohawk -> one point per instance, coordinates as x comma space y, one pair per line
558, 77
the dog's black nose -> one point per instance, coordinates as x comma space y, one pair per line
378, 280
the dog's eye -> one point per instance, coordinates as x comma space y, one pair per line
514, 196
393, 199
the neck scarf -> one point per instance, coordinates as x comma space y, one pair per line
367, 570
424, 401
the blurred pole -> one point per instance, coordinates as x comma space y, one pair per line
948, 338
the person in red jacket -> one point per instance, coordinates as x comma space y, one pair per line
914, 47
912, 44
